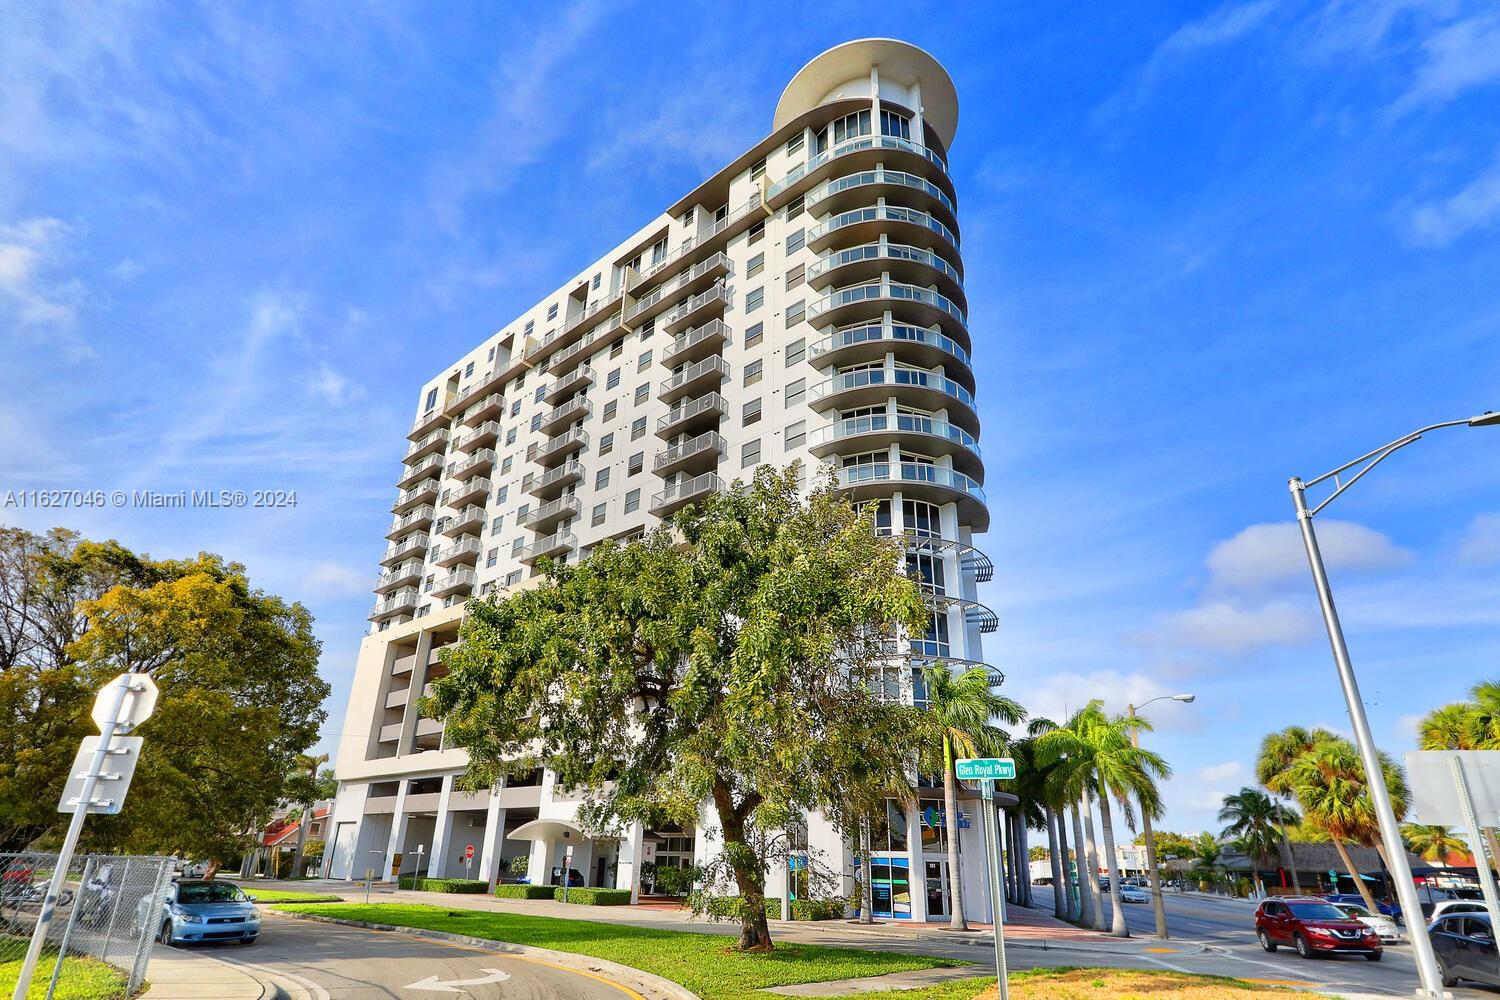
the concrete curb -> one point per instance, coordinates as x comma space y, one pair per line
652, 987
182, 975
983, 939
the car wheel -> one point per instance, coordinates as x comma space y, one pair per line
165, 937
1303, 948
1373, 956
247, 941
1265, 941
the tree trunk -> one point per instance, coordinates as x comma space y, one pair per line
1359, 882
1084, 914
211, 870
1291, 856
1059, 910
1091, 878
866, 890
1493, 845
950, 833
749, 878
1023, 861
1106, 819
303, 823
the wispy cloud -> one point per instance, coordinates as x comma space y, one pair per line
1265, 554
1475, 207
39, 301
1456, 57
1481, 543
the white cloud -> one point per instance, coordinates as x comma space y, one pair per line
1406, 726
1058, 694
1265, 554
333, 387
1481, 543
1229, 771
1233, 628
29, 251
1475, 206
334, 579
1456, 57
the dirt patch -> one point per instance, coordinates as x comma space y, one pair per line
1127, 984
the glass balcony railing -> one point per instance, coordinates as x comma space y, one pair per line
853, 146
880, 175
845, 381
910, 472
901, 422
881, 213
882, 251
891, 333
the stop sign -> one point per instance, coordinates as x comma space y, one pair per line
468, 852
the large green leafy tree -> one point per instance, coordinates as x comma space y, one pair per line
735, 656
240, 692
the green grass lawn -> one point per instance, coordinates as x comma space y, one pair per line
82, 979
707, 964
288, 896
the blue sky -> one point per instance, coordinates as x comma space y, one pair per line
1209, 247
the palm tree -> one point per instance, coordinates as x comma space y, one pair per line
1330, 783
1204, 852
1032, 786
1432, 843
960, 710
308, 786
1466, 725
1096, 753
1278, 752
1258, 822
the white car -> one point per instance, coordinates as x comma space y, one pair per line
1448, 906
1134, 894
1384, 927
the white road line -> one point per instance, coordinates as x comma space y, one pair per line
301, 988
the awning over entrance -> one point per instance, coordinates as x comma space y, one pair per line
541, 829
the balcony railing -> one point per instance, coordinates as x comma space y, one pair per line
711, 336
880, 213
432, 418
579, 377
717, 296
852, 146
709, 404
397, 604
410, 520
546, 450
408, 572
894, 333
684, 492
427, 489
552, 480
710, 370
416, 543
554, 544
477, 486
488, 406
885, 423
485, 433
431, 466
478, 462
466, 520
880, 175
910, 472
718, 263
552, 511
895, 377
589, 314
462, 580
882, 251
700, 447
576, 408
436, 441
466, 550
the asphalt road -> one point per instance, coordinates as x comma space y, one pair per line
316, 961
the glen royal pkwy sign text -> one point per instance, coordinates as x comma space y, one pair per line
985, 769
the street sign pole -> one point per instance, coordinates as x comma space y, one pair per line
992, 846
140, 690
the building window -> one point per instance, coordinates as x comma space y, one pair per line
505, 465
515, 408
851, 126
795, 351
795, 313
637, 463
795, 435
491, 557
756, 234
642, 393
751, 413
598, 276
612, 380
552, 311
501, 494
794, 208
510, 436
795, 391
598, 515
643, 362
516, 546
795, 241
752, 372
607, 443
633, 501
530, 326
895, 124
758, 169
512, 578
750, 453
496, 524
522, 511
925, 520
617, 348
492, 354
537, 396
610, 409
536, 421
794, 144
637, 428
757, 264
690, 217
647, 329
754, 335
754, 298
431, 399
658, 251
601, 479
796, 276
468, 369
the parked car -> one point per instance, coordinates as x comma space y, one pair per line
1104, 884
1133, 894
1465, 947
1385, 906
575, 878
199, 911
1385, 928
1448, 906
1314, 927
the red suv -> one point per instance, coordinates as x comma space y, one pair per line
1314, 927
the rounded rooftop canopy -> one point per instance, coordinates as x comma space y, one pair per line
843, 70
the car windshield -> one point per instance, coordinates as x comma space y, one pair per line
1355, 911
1316, 911
209, 892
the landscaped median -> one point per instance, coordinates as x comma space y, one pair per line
1095, 984
706, 964
288, 896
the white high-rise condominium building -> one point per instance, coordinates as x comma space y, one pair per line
807, 301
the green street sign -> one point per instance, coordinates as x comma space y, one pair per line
985, 769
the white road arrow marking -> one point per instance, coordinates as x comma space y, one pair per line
435, 985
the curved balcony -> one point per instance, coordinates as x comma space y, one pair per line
920, 659
688, 416
975, 614
864, 225
863, 152
552, 482
922, 389
696, 454
928, 435
918, 481
709, 373
873, 298
868, 261
474, 488
897, 187
970, 560
548, 515
465, 551
872, 341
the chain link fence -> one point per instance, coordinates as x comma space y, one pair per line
106, 919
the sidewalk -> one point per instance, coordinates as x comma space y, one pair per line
180, 974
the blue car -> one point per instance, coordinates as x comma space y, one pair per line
196, 911
1386, 908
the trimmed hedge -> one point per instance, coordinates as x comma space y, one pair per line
815, 909
444, 884
585, 896
731, 907
522, 891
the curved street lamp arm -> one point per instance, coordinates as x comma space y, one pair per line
1370, 460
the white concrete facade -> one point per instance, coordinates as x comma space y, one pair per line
807, 301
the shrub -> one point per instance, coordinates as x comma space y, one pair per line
585, 896
519, 864
444, 884
727, 907
518, 891
814, 909
672, 881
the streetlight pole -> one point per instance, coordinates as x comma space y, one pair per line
1158, 904
1390, 833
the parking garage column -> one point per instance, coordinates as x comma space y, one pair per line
628, 862
437, 862
398, 832
494, 836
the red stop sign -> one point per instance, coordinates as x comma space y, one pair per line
468, 851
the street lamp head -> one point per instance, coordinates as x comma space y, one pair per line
1488, 418
1184, 698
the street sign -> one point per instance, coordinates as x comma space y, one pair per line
140, 702
985, 769
468, 851
108, 795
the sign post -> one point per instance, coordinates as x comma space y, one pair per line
468, 860
567, 870
987, 771
123, 703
